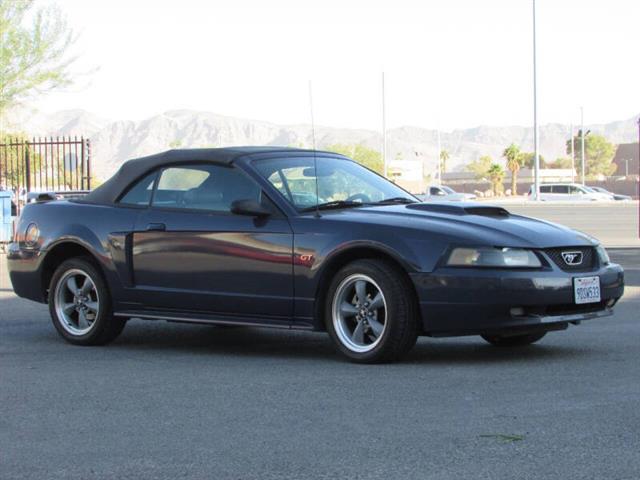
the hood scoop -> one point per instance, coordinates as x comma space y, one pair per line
461, 209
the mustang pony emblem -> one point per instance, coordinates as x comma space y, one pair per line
572, 258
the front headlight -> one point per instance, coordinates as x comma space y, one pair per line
603, 255
31, 235
493, 257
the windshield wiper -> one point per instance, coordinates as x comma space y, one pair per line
332, 205
394, 200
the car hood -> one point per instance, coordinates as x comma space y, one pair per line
468, 223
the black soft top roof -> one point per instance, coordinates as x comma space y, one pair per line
131, 170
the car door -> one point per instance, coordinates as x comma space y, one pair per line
191, 254
545, 192
575, 193
560, 192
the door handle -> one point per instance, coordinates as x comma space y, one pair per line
156, 227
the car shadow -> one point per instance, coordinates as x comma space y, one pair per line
248, 342
28, 323
477, 351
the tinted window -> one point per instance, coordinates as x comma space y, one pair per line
204, 187
140, 193
543, 189
561, 189
435, 191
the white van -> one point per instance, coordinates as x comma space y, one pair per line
557, 192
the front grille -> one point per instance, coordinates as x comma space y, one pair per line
588, 258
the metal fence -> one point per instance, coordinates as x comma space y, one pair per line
53, 164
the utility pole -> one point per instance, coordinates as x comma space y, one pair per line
582, 141
536, 164
439, 159
384, 132
573, 157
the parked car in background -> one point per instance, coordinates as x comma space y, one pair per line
554, 192
441, 192
54, 195
613, 196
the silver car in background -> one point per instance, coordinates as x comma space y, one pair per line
441, 192
572, 192
613, 196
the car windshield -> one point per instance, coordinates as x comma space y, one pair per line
448, 190
341, 183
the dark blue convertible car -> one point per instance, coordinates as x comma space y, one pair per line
306, 240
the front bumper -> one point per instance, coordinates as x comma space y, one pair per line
465, 301
25, 272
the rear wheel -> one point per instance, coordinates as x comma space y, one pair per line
80, 304
513, 341
370, 313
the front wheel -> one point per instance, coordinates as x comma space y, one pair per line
80, 304
513, 341
370, 313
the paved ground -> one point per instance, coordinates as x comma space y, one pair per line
614, 224
168, 401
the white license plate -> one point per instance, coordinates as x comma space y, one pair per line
586, 289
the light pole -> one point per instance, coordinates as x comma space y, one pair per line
536, 164
573, 157
439, 159
384, 132
582, 141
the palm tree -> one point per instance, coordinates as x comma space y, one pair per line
515, 160
496, 176
444, 156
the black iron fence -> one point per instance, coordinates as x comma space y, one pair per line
53, 164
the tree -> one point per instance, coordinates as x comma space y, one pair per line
368, 157
599, 153
33, 52
529, 159
481, 167
561, 162
444, 156
496, 176
515, 160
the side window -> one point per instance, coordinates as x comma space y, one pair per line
140, 192
204, 187
544, 189
573, 190
564, 189
434, 191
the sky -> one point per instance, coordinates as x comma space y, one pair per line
447, 64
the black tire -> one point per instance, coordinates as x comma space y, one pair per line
513, 341
104, 327
400, 315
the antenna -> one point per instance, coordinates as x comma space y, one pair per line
313, 139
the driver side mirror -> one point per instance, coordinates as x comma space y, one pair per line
250, 208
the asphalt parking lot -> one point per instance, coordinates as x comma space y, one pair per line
167, 401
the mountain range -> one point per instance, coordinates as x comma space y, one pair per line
114, 141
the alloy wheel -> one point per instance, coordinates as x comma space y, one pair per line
77, 302
359, 313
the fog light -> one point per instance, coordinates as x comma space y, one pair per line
517, 311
